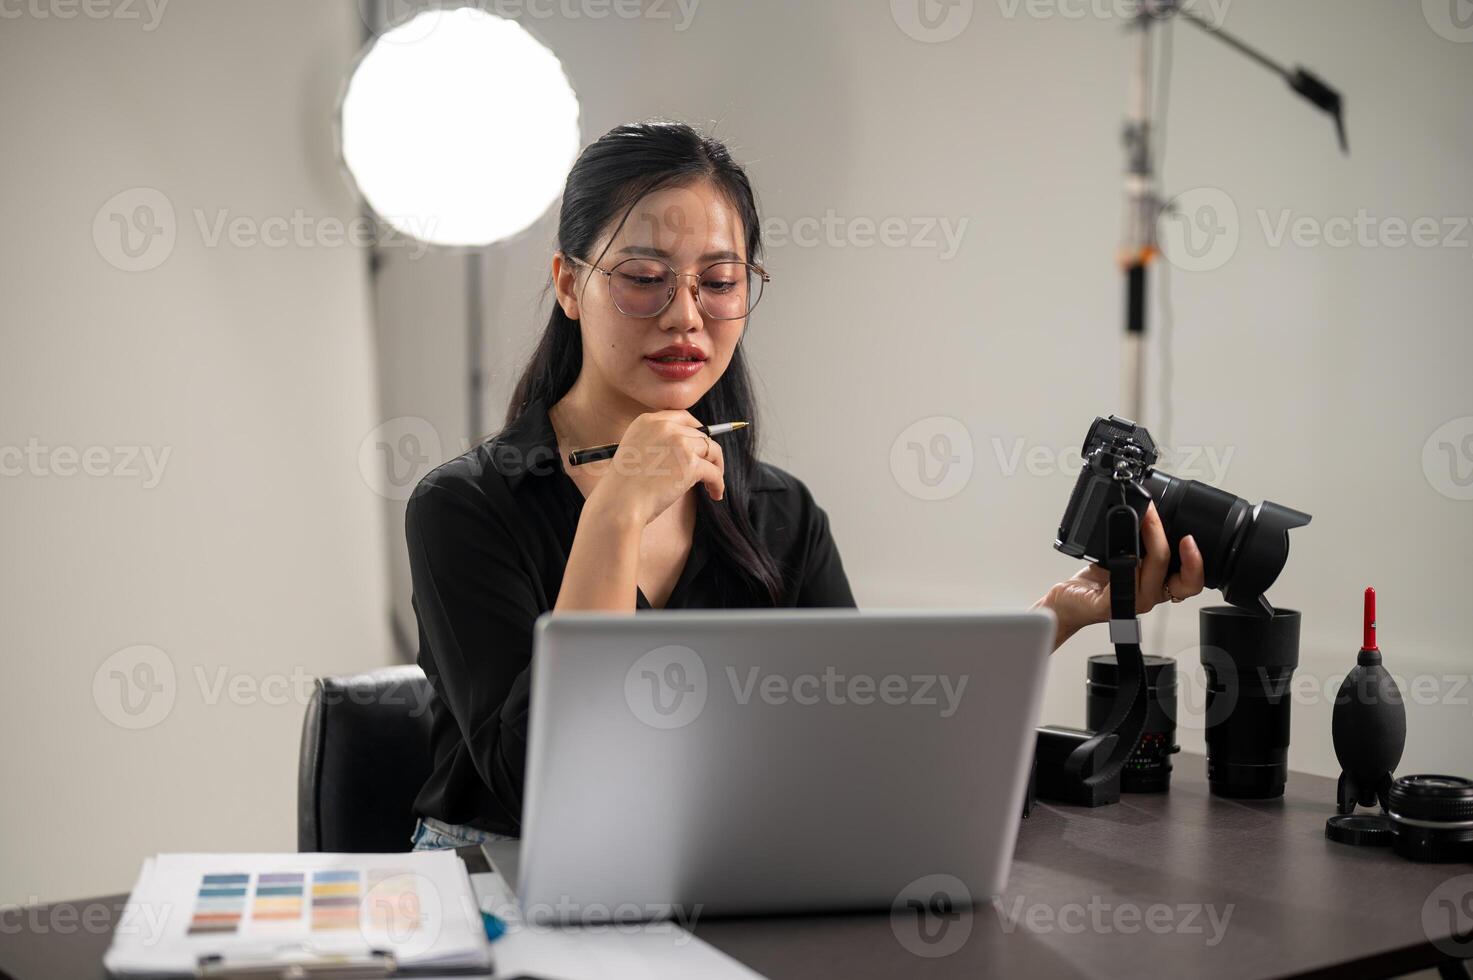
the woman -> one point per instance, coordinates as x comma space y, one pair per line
655, 273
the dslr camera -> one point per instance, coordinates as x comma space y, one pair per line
1244, 546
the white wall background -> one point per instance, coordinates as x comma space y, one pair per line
1315, 374
256, 559
1322, 370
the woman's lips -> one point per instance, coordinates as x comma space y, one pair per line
674, 370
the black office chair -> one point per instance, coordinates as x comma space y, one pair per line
365, 755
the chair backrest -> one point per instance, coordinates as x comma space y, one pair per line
365, 755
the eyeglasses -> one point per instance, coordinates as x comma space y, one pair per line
642, 287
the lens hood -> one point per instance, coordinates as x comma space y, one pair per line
1248, 639
1262, 554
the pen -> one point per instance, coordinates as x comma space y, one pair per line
581, 456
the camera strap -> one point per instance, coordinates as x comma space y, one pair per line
1127, 718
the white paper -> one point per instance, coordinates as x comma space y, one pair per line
648, 950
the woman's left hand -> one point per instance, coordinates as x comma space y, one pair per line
1085, 598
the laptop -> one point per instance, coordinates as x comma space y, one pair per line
702, 762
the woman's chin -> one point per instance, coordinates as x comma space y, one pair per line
664, 396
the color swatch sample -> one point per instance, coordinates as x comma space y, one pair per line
335, 897
394, 904
220, 903
279, 898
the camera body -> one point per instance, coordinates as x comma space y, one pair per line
1118, 456
1244, 546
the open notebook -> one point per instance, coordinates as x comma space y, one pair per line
203, 914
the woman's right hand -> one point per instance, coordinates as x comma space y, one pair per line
661, 456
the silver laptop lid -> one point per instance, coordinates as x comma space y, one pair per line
779, 760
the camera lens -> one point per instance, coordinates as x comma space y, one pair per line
1432, 817
1249, 660
1148, 770
1243, 546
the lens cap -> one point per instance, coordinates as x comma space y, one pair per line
1363, 829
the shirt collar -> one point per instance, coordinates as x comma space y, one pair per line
527, 447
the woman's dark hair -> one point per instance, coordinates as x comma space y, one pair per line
610, 176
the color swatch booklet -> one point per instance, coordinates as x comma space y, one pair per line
190, 911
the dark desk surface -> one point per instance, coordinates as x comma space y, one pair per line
1124, 890
1083, 884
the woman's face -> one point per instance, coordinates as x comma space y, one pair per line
688, 228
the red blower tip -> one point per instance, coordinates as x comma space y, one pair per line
1368, 641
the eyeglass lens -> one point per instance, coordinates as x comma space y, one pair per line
643, 287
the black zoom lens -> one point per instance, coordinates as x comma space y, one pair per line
1432, 817
1244, 546
1148, 770
1249, 660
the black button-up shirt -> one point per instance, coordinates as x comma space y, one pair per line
489, 534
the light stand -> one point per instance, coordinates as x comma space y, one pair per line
1142, 204
475, 342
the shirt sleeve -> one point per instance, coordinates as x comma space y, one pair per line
824, 582
477, 607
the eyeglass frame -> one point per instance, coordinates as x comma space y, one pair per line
608, 275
